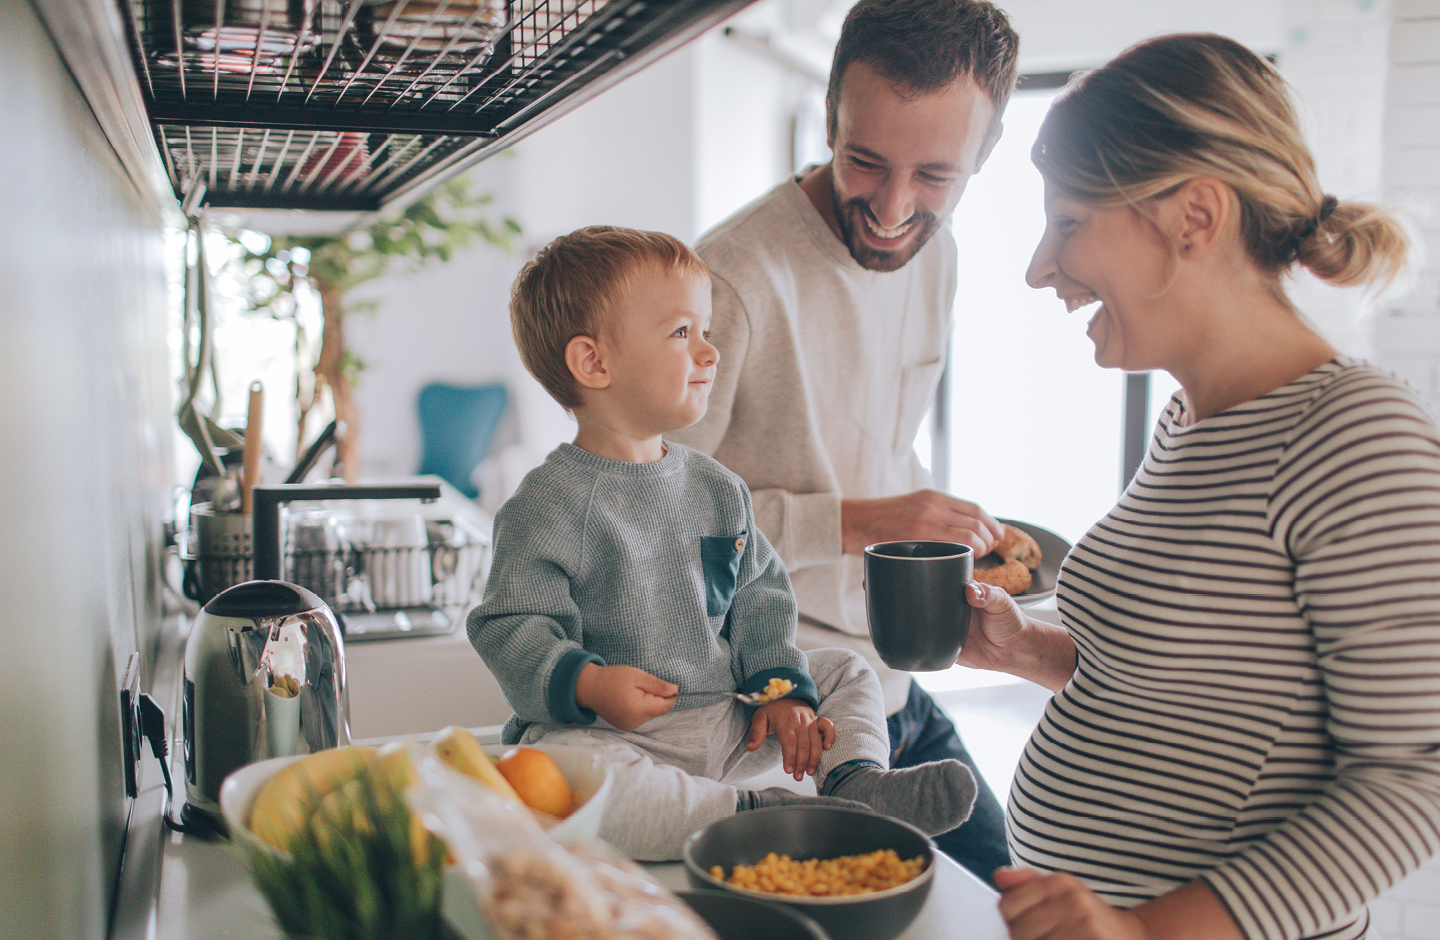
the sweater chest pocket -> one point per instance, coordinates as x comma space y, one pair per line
720, 557
917, 385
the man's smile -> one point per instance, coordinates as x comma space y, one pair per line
888, 234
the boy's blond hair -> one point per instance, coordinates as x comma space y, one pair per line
572, 285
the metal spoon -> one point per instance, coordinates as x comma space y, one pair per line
744, 698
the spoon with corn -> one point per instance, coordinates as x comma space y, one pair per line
775, 688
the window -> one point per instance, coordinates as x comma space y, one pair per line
1035, 428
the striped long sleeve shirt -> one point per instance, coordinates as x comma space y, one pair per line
1257, 696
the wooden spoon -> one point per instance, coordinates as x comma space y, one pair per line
251, 454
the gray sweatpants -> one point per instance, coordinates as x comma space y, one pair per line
671, 773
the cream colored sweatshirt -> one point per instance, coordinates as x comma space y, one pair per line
826, 370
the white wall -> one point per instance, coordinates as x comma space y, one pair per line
1061, 35
1407, 338
1335, 56
624, 158
1406, 332
743, 110
86, 427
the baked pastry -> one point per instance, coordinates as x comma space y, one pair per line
1009, 563
1017, 545
1011, 576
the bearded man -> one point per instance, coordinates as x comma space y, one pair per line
833, 296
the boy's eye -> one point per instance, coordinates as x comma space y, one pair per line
706, 335
683, 332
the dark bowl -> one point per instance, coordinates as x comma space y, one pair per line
740, 917
803, 832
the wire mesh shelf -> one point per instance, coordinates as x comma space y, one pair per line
346, 104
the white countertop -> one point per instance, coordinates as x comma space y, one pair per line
205, 894
176, 887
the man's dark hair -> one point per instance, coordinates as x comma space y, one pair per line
925, 45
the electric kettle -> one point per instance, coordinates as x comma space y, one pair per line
264, 677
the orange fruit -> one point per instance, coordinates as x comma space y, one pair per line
538, 781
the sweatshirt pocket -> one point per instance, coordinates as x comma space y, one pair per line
720, 557
917, 385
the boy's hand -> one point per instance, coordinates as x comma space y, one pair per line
803, 736
623, 695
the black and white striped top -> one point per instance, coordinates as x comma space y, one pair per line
1257, 699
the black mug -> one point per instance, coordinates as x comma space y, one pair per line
915, 601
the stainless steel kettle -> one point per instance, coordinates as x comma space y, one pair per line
264, 677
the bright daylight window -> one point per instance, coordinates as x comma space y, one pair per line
1035, 425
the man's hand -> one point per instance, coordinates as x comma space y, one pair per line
924, 515
623, 695
803, 736
1059, 907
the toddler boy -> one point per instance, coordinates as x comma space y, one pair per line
628, 569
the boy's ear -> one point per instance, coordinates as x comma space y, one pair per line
586, 362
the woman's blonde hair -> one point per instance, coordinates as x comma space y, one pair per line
1171, 109
570, 289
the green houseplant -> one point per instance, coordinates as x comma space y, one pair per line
430, 229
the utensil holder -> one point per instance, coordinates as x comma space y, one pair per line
223, 554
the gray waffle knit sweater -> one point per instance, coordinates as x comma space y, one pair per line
659, 566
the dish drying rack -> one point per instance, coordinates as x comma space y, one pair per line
356, 104
377, 591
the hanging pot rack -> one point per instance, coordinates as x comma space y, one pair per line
356, 104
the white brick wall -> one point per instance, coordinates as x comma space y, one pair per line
1369, 71
1394, 84
1335, 53
1407, 335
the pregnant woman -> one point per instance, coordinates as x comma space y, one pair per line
1245, 735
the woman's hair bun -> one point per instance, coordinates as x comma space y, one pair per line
1357, 243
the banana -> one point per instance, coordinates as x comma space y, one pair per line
287, 800
395, 764
342, 808
391, 773
458, 748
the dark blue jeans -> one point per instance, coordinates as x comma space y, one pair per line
919, 733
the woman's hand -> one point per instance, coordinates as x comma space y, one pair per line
803, 736
1059, 907
997, 628
1003, 639
623, 695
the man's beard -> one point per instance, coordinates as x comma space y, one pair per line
852, 215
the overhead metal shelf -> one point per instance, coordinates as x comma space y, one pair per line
353, 104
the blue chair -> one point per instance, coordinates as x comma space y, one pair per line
457, 425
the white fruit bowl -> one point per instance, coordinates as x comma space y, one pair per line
584, 770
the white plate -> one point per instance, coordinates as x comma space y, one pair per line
1053, 550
